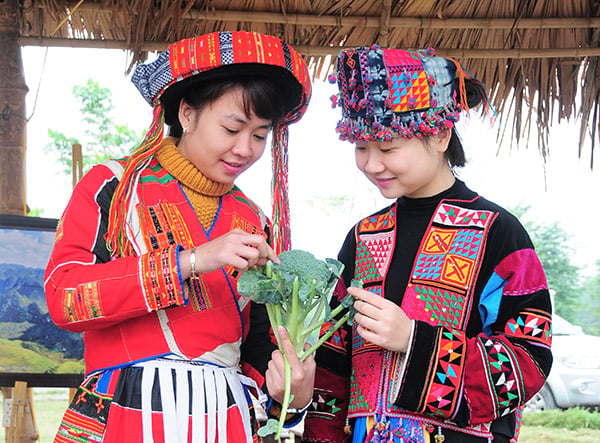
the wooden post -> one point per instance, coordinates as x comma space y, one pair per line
22, 427
77, 162
12, 113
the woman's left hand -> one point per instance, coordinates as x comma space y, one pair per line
380, 321
302, 374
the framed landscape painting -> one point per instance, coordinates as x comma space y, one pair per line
32, 348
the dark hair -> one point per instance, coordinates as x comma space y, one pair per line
455, 154
261, 96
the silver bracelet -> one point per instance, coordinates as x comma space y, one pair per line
193, 273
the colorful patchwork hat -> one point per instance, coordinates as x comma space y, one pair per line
205, 58
221, 55
385, 93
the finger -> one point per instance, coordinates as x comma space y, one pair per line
368, 309
265, 251
276, 366
289, 350
366, 322
369, 297
271, 255
368, 335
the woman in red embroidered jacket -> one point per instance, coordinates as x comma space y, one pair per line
149, 248
452, 331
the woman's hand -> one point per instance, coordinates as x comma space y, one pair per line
303, 374
237, 248
380, 321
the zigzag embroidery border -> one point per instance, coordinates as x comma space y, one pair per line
454, 216
530, 326
503, 376
442, 394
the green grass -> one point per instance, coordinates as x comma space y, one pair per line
575, 425
571, 419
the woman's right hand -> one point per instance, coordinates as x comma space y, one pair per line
236, 248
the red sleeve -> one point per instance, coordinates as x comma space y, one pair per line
87, 290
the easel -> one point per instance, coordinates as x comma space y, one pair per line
21, 426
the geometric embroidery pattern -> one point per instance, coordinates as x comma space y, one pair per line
535, 326
337, 339
457, 270
359, 345
441, 307
85, 418
407, 82
428, 267
443, 390
467, 243
454, 216
366, 369
163, 226
158, 270
367, 364
375, 240
377, 223
446, 265
438, 241
199, 290
83, 302
505, 380
363, 268
237, 222
324, 404
374, 254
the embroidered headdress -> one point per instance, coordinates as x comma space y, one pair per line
202, 59
385, 93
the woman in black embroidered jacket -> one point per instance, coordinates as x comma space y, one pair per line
452, 333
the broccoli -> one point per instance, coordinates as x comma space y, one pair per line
297, 294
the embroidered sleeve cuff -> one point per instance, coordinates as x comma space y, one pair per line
161, 279
293, 417
434, 365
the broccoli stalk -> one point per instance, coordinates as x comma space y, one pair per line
297, 294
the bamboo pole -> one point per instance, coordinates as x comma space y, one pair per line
375, 22
320, 51
384, 27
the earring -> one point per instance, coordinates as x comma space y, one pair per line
185, 129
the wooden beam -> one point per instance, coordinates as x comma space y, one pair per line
320, 51
384, 27
375, 22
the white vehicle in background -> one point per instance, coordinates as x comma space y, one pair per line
574, 379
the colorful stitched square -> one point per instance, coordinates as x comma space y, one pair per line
457, 270
439, 306
438, 241
407, 81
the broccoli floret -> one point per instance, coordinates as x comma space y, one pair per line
305, 265
297, 293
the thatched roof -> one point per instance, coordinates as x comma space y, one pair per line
539, 58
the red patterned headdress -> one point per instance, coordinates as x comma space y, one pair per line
202, 59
